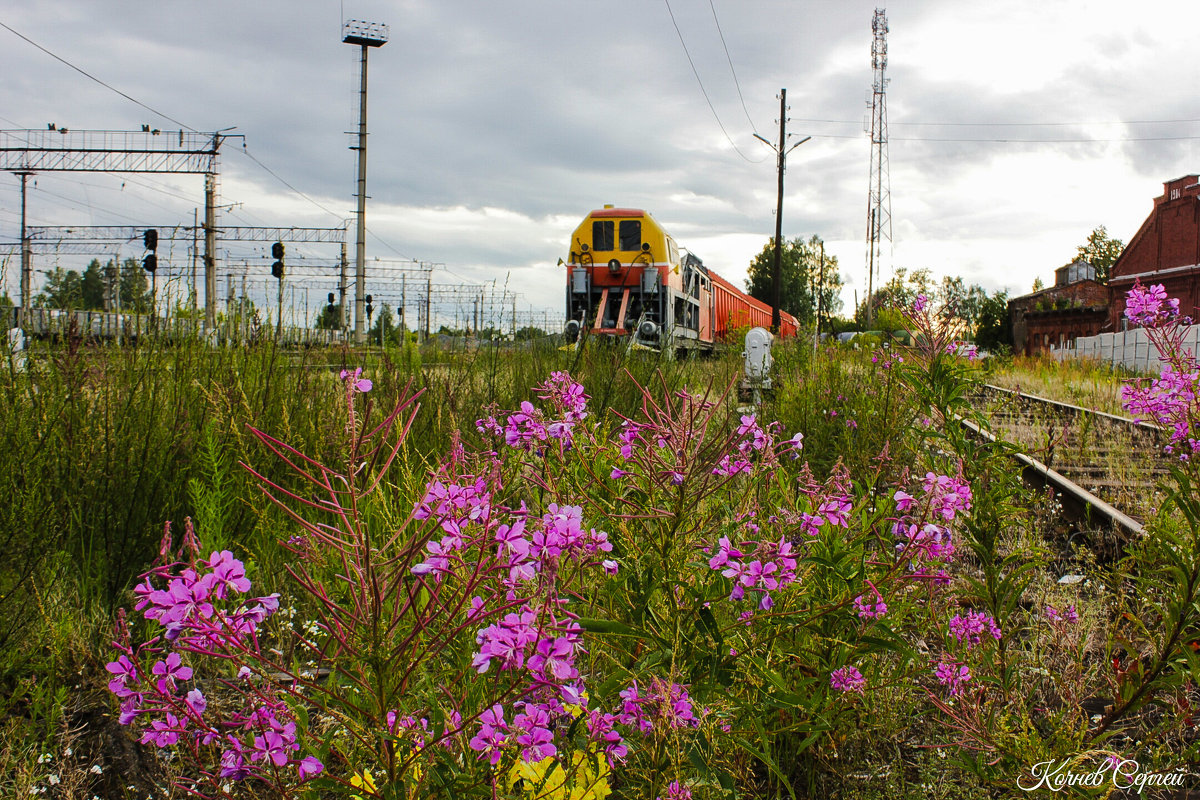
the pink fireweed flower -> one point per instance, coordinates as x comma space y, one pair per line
836, 510
196, 701
601, 729
171, 670
677, 791
489, 741
871, 608
354, 381
848, 679
920, 304
532, 726
753, 438
309, 767
227, 573
904, 500
554, 660
164, 732
796, 444
730, 466
971, 627
1150, 307
947, 496
953, 675
123, 670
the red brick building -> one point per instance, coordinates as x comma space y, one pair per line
1076, 305
1166, 250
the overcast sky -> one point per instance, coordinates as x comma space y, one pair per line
1015, 126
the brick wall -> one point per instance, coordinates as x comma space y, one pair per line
1166, 250
1056, 316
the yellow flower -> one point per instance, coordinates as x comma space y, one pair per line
547, 780
363, 780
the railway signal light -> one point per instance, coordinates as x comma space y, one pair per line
370, 308
277, 254
150, 240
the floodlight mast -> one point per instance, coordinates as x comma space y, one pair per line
366, 35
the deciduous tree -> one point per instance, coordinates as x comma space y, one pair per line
802, 285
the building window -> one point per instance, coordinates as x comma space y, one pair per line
631, 234
602, 235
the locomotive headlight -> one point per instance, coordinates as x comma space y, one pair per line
647, 330
614, 266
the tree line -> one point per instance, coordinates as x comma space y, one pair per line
811, 291
100, 287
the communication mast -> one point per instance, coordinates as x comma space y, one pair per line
879, 197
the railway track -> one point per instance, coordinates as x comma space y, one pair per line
1106, 468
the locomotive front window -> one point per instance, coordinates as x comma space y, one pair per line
631, 234
602, 235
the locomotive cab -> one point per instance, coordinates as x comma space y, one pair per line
626, 279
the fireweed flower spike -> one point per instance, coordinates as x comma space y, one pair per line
354, 381
848, 679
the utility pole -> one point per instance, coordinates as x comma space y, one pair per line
342, 293
428, 301
210, 251
821, 291
366, 35
194, 299
781, 152
26, 259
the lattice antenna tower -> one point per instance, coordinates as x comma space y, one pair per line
879, 198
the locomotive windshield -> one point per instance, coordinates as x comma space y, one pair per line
602, 235
631, 234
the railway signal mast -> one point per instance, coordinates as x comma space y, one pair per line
366, 35
879, 199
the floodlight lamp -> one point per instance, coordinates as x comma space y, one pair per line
367, 34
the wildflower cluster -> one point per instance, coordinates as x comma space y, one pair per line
848, 679
529, 632
200, 610
531, 428
953, 675
923, 528
1170, 399
763, 567
660, 705
971, 627
1151, 307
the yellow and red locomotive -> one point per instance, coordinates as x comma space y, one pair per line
626, 277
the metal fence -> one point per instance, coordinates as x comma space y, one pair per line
48, 322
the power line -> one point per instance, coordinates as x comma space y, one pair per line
704, 91
280, 178
1008, 140
92, 77
1013, 124
721, 33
